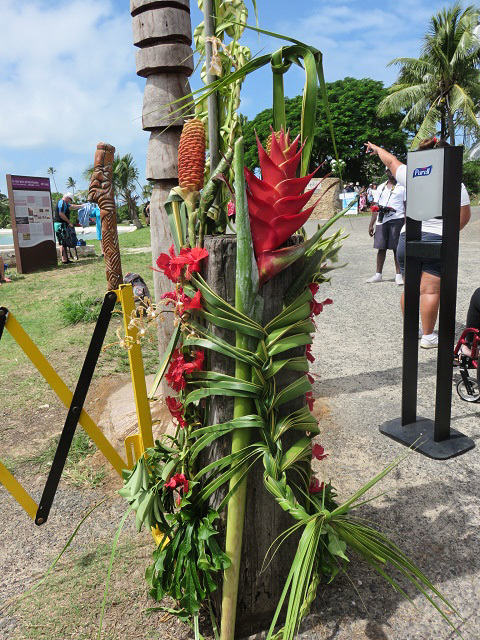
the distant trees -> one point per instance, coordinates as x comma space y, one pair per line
441, 88
353, 106
71, 184
51, 172
4, 211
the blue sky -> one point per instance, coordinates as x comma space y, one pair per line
67, 70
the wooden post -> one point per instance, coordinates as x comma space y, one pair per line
101, 192
259, 592
162, 32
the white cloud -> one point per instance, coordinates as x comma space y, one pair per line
67, 76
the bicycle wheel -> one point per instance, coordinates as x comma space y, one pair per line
470, 392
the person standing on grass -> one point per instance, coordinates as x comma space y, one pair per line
2, 272
386, 227
61, 220
432, 230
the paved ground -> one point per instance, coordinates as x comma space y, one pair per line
433, 510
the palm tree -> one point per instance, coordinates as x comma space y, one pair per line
71, 184
442, 86
51, 172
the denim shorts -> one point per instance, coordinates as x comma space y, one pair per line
429, 265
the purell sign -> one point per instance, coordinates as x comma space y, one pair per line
425, 184
423, 171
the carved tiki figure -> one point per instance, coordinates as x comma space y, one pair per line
101, 192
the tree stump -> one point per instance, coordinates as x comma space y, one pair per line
259, 591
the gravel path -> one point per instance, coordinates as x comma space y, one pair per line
432, 511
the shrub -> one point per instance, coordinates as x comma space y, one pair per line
80, 309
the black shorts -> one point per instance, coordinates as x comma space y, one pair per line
387, 234
429, 265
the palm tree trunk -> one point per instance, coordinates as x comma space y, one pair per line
132, 211
451, 127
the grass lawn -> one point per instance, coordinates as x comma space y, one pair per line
36, 300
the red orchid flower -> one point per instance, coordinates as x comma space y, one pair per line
318, 452
179, 366
309, 399
231, 209
176, 408
315, 485
178, 481
173, 266
181, 301
309, 355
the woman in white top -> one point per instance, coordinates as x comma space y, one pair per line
431, 232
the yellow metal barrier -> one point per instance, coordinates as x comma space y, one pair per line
135, 444
18, 492
142, 404
63, 392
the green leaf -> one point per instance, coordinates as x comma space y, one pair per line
297, 388
300, 450
165, 361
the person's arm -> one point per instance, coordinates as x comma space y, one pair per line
63, 216
77, 206
465, 215
371, 226
388, 159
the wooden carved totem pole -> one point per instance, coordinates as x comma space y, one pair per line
101, 192
163, 34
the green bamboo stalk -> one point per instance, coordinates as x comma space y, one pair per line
246, 288
278, 69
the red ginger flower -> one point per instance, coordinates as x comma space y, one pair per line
315, 485
179, 366
178, 481
181, 301
318, 452
173, 266
275, 203
176, 408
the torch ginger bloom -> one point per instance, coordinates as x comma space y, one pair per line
276, 203
179, 366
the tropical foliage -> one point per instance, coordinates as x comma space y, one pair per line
353, 109
441, 88
4, 211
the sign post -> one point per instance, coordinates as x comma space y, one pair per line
32, 222
433, 186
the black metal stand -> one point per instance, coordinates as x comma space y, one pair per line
434, 439
75, 409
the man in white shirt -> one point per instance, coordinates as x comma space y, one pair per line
386, 223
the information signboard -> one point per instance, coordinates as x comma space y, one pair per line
32, 222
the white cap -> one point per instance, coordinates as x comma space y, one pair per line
68, 195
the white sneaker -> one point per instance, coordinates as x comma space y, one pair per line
429, 342
376, 278
399, 279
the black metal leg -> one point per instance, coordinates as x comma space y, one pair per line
76, 407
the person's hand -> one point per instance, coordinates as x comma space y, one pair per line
371, 148
371, 230
70, 225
